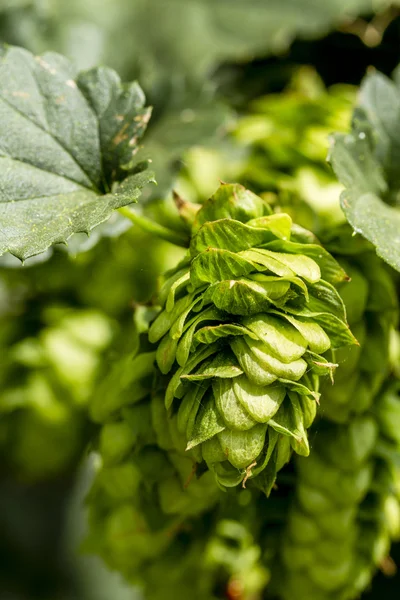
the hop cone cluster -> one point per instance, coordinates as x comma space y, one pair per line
246, 318
345, 511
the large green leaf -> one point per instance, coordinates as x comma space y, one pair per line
367, 162
67, 144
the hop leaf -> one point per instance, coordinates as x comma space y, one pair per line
67, 149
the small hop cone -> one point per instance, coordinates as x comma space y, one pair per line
146, 487
246, 318
143, 492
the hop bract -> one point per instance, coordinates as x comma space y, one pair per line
245, 320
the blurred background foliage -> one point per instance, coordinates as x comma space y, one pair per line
246, 90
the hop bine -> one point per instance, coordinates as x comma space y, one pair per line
246, 318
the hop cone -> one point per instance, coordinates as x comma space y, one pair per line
245, 320
145, 489
219, 560
45, 383
344, 513
372, 310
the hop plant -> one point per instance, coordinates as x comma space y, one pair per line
246, 318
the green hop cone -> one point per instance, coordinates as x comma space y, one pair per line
372, 312
45, 385
145, 488
345, 510
387, 410
246, 318
220, 559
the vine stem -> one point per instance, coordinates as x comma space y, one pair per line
174, 237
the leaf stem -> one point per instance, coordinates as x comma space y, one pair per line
150, 226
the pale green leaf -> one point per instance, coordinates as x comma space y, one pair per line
229, 234
330, 269
316, 338
280, 224
267, 259
309, 409
255, 370
242, 447
175, 286
277, 287
189, 407
299, 444
175, 384
208, 423
244, 296
267, 454
337, 329
293, 370
170, 280
283, 340
261, 402
223, 364
212, 451
325, 298
165, 320
300, 388
185, 343
265, 479
227, 475
232, 411
300, 264
178, 327
231, 201
285, 421
214, 265
212, 333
